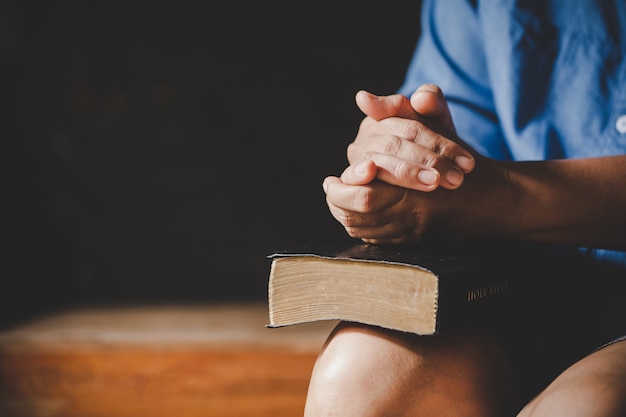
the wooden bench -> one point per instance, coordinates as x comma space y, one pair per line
157, 361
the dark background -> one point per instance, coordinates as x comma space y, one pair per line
160, 150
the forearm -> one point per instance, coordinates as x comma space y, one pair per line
576, 201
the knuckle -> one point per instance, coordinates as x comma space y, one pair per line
391, 145
411, 130
364, 122
442, 145
363, 199
343, 218
431, 159
402, 170
352, 151
357, 153
434, 142
436, 146
348, 219
352, 231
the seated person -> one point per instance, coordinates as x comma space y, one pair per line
511, 124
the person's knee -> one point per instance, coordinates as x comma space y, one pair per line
356, 373
368, 371
592, 387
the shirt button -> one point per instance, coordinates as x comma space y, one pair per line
620, 124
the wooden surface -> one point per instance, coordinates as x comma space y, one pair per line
157, 361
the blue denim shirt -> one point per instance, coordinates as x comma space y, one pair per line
529, 79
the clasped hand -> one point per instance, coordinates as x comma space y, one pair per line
404, 161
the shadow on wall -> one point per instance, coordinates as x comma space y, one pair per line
162, 150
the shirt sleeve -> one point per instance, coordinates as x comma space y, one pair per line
450, 54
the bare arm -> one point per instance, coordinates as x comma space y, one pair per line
576, 201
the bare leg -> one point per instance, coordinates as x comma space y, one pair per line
370, 372
593, 387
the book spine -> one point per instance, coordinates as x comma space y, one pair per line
476, 298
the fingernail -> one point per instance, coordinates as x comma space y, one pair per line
325, 187
368, 94
428, 176
430, 90
361, 168
464, 162
454, 177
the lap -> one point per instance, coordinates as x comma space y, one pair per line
371, 372
538, 355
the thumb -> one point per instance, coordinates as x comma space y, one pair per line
429, 101
360, 174
382, 107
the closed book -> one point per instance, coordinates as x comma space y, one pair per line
409, 288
